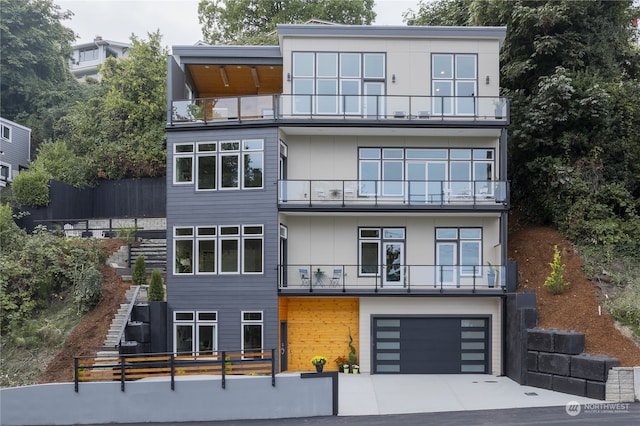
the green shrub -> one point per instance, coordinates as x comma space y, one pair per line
555, 281
88, 291
156, 290
31, 188
626, 306
127, 233
139, 274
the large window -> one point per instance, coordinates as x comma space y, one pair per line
90, 54
454, 83
252, 324
5, 172
426, 175
382, 252
333, 83
195, 332
220, 249
220, 165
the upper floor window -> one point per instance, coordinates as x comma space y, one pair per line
90, 54
381, 251
454, 83
220, 165
426, 175
219, 249
332, 83
458, 254
5, 133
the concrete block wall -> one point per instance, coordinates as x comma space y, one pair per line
622, 385
556, 361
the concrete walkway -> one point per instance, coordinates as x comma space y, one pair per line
364, 394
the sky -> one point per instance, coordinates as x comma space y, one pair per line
177, 20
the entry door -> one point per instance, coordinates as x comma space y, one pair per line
393, 267
446, 259
427, 182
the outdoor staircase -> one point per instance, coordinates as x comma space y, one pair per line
117, 322
155, 257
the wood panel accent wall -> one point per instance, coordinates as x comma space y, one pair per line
319, 326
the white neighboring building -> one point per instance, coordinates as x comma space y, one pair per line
88, 56
15, 149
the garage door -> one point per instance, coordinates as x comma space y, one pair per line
430, 345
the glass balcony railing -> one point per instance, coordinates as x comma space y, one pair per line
394, 278
485, 109
391, 192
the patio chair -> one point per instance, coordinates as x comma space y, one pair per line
304, 277
336, 277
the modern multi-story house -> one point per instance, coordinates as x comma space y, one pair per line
87, 57
15, 149
347, 183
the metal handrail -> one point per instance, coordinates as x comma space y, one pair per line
123, 327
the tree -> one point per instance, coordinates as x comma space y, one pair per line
35, 49
139, 273
156, 290
250, 21
120, 126
440, 13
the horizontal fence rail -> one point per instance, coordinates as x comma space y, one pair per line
393, 278
343, 107
392, 192
140, 366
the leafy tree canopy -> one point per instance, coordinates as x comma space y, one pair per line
251, 21
35, 49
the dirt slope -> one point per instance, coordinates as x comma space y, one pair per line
576, 308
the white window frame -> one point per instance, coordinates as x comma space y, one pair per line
206, 237
201, 153
182, 155
244, 322
247, 150
4, 128
185, 237
229, 237
257, 237
195, 322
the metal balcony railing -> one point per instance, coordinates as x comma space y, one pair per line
391, 192
391, 279
408, 109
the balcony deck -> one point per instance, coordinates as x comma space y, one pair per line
346, 280
394, 195
399, 110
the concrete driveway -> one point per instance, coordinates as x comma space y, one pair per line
365, 394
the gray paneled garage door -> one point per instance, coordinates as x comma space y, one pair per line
430, 345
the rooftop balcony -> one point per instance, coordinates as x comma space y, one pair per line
402, 194
322, 279
410, 110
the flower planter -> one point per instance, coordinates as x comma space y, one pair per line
319, 368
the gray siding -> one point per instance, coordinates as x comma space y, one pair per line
226, 294
16, 153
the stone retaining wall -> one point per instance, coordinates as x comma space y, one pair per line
555, 361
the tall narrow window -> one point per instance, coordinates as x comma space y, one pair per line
229, 165
183, 163
251, 332
206, 250
252, 241
5, 133
206, 165
183, 250
253, 163
229, 249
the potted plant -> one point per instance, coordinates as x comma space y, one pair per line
491, 275
341, 361
498, 105
353, 359
319, 361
